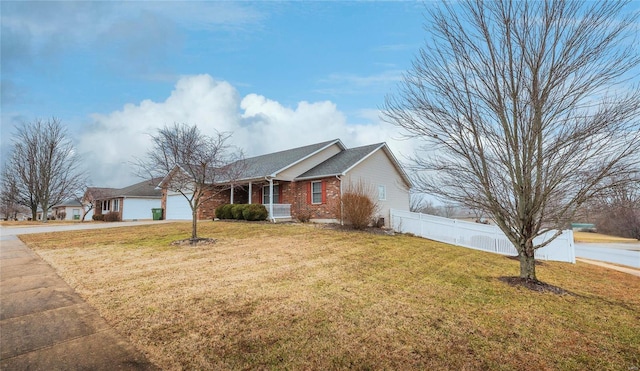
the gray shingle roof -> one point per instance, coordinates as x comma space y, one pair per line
265, 165
145, 188
341, 162
69, 203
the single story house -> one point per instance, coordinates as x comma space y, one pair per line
39, 213
69, 210
131, 203
306, 182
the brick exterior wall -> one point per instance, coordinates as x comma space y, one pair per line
97, 208
163, 203
303, 208
213, 199
294, 193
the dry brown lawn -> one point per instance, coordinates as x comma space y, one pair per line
602, 238
295, 297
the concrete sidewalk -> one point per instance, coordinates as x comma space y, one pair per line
628, 270
45, 325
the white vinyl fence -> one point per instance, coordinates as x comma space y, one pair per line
479, 236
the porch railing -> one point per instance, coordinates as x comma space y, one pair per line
280, 211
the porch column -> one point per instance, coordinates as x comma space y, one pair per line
232, 187
250, 192
271, 199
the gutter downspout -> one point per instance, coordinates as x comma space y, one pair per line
250, 192
232, 187
341, 205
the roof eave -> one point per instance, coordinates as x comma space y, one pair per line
336, 141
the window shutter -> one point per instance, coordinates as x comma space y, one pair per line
280, 193
309, 192
324, 191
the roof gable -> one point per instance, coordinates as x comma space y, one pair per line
346, 160
273, 163
341, 162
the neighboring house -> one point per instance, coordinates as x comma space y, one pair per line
39, 214
132, 203
306, 182
69, 210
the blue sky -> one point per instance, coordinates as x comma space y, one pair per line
95, 64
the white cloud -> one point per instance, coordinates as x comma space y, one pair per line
259, 125
35, 30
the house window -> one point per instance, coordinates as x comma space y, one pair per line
316, 192
116, 205
382, 193
106, 205
276, 194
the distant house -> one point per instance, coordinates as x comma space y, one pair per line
39, 214
306, 182
69, 210
134, 202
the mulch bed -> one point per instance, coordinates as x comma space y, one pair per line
533, 285
195, 242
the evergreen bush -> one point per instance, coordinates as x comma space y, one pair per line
255, 212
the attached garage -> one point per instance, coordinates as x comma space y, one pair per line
139, 208
177, 207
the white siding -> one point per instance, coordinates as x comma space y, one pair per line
308, 164
177, 207
378, 170
68, 210
87, 217
139, 208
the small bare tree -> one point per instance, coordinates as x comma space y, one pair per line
525, 108
43, 166
195, 165
91, 196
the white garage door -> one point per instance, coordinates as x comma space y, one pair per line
178, 208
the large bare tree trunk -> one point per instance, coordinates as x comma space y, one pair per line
527, 262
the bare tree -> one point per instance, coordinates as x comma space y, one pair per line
449, 210
90, 197
419, 204
618, 210
195, 165
9, 203
43, 166
525, 108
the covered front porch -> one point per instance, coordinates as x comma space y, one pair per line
266, 192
